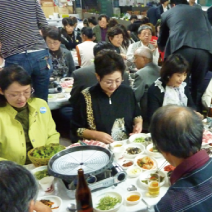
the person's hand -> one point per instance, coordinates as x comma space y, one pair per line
124, 56
137, 128
103, 137
199, 114
40, 207
154, 43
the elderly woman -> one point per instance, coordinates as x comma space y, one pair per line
70, 36
107, 111
18, 189
145, 35
170, 88
62, 60
25, 122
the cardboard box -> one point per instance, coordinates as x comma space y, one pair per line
48, 11
47, 4
56, 9
63, 10
70, 9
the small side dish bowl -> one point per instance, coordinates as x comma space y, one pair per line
152, 152
138, 138
133, 197
134, 171
127, 163
145, 162
111, 194
132, 150
39, 169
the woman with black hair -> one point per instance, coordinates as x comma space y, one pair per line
92, 22
25, 122
62, 60
85, 49
70, 36
107, 111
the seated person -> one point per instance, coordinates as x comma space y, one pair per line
85, 49
70, 37
92, 22
62, 60
145, 35
133, 18
26, 122
107, 111
147, 72
177, 133
18, 189
170, 88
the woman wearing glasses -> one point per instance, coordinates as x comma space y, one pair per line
107, 111
25, 122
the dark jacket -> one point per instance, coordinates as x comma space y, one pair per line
184, 25
155, 99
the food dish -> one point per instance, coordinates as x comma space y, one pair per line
207, 138
150, 150
138, 138
133, 197
127, 163
55, 199
118, 197
146, 175
52, 97
133, 171
145, 162
38, 169
132, 150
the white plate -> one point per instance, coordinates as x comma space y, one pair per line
40, 168
138, 135
67, 79
146, 175
52, 97
153, 154
153, 159
125, 161
57, 201
111, 194
140, 146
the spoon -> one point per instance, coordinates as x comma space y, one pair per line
71, 207
131, 188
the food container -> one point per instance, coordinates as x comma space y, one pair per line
137, 136
38, 169
149, 163
133, 148
127, 164
133, 197
108, 194
150, 151
134, 171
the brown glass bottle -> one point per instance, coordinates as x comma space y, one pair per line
83, 194
209, 114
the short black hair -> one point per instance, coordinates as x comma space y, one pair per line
108, 61
133, 17
103, 16
87, 31
9, 75
175, 63
102, 45
53, 33
92, 20
85, 22
18, 187
179, 2
177, 130
114, 31
68, 21
112, 22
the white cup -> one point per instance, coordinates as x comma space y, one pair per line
55, 15
46, 184
118, 152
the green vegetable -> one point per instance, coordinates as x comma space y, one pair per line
47, 151
139, 140
41, 174
107, 203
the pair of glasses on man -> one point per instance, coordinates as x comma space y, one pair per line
26, 94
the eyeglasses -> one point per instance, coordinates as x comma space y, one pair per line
109, 83
26, 94
53, 43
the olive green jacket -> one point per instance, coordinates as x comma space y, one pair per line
41, 130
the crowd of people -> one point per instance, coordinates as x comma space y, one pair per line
120, 88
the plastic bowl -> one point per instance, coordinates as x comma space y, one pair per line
154, 167
110, 194
140, 146
133, 193
153, 154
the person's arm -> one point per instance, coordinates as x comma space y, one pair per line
207, 96
41, 19
78, 55
38, 207
156, 56
138, 87
130, 52
53, 135
164, 33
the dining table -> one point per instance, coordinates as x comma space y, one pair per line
121, 188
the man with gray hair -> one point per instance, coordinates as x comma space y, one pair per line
145, 35
147, 73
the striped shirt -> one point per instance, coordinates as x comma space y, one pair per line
20, 21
